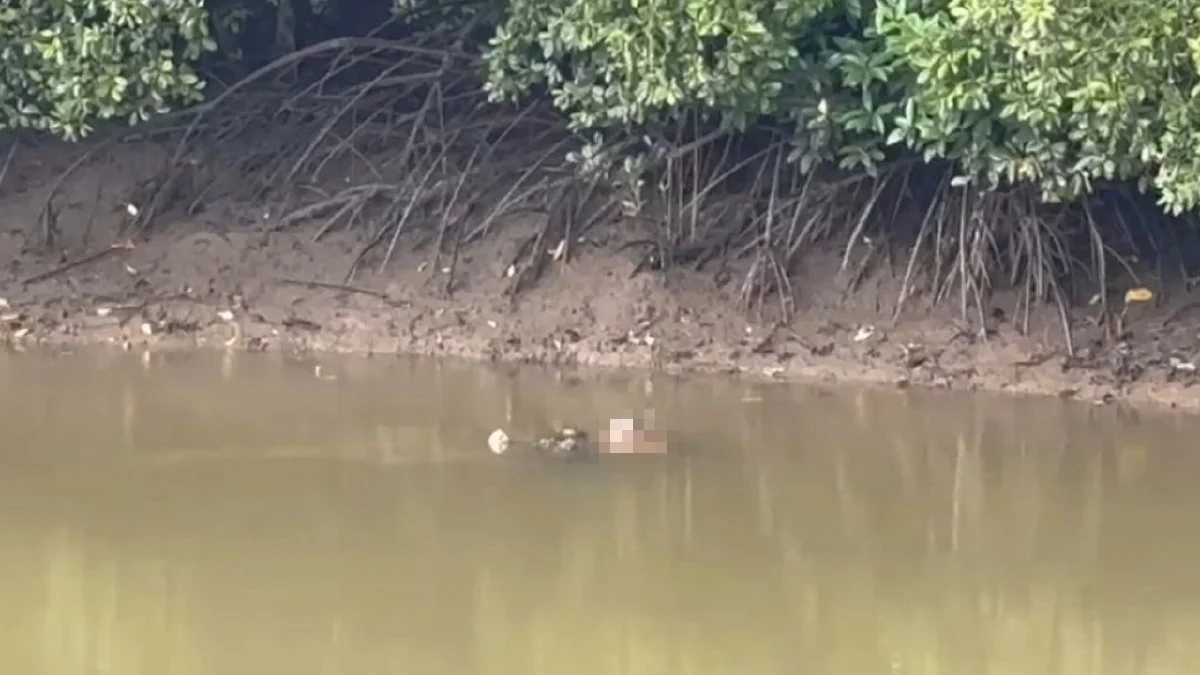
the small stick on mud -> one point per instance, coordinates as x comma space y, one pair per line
12, 151
339, 287
87, 259
329, 286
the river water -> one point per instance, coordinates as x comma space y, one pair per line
243, 515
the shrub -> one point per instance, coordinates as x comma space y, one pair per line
1059, 95
70, 64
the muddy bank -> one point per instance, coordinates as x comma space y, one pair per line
233, 278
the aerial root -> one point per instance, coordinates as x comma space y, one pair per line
393, 137
399, 139
723, 200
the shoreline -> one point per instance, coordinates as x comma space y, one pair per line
230, 278
642, 325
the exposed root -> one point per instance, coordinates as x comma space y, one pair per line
725, 200
395, 137
399, 138
12, 152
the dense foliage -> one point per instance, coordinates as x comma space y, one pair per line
1061, 95
68, 64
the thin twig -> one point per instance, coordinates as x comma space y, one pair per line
78, 262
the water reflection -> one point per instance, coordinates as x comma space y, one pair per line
174, 517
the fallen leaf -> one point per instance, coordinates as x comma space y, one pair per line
864, 333
1179, 365
1139, 294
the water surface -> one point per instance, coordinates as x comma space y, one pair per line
241, 515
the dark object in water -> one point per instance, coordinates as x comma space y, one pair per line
566, 443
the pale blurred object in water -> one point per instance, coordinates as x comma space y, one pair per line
628, 436
498, 442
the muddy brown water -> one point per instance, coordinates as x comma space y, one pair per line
180, 514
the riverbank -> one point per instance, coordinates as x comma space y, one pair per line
231, 277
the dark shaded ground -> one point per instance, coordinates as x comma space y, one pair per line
227, 279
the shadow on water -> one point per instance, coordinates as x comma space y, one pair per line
186, 514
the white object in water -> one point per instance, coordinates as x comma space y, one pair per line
498, 442
620, 430
619, 425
